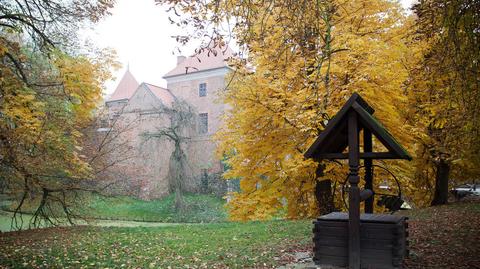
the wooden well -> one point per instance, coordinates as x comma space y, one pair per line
383, 240
353, 239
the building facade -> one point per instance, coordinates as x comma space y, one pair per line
137, 110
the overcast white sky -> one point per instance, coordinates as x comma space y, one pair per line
140, 32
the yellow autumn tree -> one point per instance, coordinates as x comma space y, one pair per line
48, 93
303, 60
42, 125
444, 100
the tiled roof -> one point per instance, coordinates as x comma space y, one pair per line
126, 88
163, 94
205, 60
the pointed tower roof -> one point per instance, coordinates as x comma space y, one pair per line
126, 87
205, 59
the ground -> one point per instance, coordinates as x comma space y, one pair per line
440, 237
445, 236
223, 245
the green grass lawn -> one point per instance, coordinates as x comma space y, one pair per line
198, 208
440, 237
5, 219
218, 245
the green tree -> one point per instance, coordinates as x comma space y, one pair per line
444, 94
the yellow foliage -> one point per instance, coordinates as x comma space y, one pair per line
282, 100
443, 92
43, 113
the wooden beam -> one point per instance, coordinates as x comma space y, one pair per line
367, 148
381, 133
354, 193
338, 118
363, 155
377, 155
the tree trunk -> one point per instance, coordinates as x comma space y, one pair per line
323, 193
179, 204
177, 176
441, 183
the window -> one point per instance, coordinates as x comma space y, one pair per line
203, 123
202, 89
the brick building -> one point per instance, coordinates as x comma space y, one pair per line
197, 80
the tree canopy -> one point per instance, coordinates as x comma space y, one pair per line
49, 90
299, 61
302, 60
444, 95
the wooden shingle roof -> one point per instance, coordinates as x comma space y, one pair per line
332, 142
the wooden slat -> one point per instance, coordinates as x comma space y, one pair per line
332, 251
379, 244
363, 155
333, 231
368, 258
365, 218
331, 260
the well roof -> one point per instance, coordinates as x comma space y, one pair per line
332, 141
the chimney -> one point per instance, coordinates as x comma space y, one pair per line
180, 59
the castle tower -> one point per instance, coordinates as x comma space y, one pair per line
137, 108
124, 91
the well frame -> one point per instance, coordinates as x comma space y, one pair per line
343, 131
